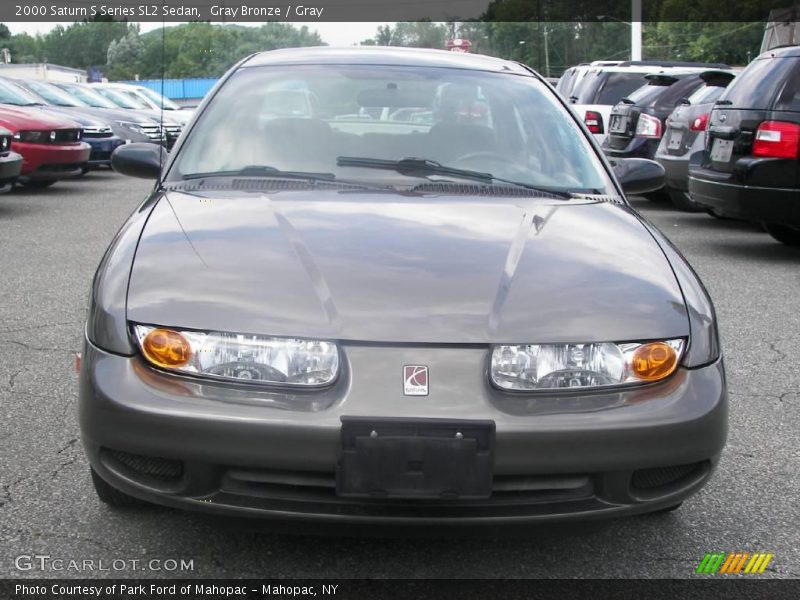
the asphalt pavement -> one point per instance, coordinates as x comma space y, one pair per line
50, 244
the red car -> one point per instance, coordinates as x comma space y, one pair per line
10, 162
51, 148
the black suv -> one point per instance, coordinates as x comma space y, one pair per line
750, 167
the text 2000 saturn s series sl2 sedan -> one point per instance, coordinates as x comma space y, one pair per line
394, 286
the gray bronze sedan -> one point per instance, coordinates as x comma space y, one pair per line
396, 286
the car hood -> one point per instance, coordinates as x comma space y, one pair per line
416, 269
18, 118
81, 118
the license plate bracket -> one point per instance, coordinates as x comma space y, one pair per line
618, 124
675, 139
415, 458
721, 150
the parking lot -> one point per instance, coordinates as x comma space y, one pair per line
50, 243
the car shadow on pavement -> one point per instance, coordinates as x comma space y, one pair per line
768, 250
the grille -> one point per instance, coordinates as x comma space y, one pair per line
320, 488
162, 469
97, 132
65, 135
153, 131
649, 479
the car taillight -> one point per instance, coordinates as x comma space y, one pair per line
648, 127
594, 121
700, 123
777, 139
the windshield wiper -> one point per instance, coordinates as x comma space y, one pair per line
723, 102
263, 171
423, 167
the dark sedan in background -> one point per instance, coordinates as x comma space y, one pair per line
350, 316
684, 135
750, 167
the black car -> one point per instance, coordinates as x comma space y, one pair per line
749, 168
684, 134
637, 122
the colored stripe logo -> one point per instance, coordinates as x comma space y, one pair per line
734, 562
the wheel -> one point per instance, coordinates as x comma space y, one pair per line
39, 183
112, 496
785, 234
682, 201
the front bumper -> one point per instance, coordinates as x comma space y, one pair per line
10, 168
52, 161
101, 149
239, 451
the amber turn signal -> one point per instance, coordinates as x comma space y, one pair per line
654, 361
166, 348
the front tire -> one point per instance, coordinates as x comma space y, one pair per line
112, 496
785, 234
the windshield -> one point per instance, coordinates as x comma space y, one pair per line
88, 96
304, 118
158, 98
53, 95
117, 99
647, 94
12, 94
706, 94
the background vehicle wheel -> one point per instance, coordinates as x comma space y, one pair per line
784, 233
39, 183
657, 196
112, 496
682, 201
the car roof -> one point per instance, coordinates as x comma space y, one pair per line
384, 55
781, 52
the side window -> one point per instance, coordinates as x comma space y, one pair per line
789, 97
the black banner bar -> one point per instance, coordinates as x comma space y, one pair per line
233, 11
713, 587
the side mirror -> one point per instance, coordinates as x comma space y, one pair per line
139, 160
638, 175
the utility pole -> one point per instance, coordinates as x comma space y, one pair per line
636, 29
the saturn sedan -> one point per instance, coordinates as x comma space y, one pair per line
396, 286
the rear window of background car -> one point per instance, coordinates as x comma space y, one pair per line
757, 86
610, 88
706, 94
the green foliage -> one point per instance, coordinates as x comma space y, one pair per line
196, 49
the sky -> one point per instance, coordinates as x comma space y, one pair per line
334, 34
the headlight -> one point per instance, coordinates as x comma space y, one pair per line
558, 366
238, 357
33, 137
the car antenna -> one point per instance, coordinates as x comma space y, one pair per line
161, 102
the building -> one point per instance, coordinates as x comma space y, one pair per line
43, 71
